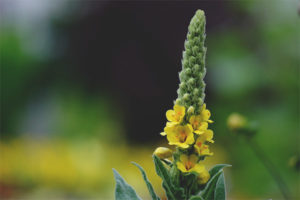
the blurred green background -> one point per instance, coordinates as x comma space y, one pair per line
85, 86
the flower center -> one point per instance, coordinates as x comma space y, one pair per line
196, 124
189, 165
182, 136
199, 144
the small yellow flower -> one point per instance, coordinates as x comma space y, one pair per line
203, 177
198, 124
179, 135
205, 114
177, 114
200, 146
189, 164
163, 152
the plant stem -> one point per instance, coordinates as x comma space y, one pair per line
270, 167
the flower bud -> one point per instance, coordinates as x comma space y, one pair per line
203, 177
186, 96
191, 110
191, 81
294, 162
163, 152
236, 121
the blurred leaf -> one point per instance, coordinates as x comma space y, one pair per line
123, 190
149, 186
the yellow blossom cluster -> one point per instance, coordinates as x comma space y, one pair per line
190, 132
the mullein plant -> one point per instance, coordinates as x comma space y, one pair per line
184, 176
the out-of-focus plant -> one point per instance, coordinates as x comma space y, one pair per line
241, 126
185, 177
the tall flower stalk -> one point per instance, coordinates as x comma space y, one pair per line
186, 177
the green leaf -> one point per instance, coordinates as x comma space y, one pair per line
172, 192
196, 198
208, 192
149, 186
215, 169
124, 191
220, 192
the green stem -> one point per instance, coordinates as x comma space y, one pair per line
270, 167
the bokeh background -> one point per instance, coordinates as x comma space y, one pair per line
85, 86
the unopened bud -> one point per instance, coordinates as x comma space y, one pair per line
163, 152
203, 177
236, 121
186, 96
191, 110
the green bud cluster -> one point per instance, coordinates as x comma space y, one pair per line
192, 86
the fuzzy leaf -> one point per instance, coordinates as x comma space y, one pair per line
215, 169
220, 192
208, 192
123, 190
149, 186
172, 192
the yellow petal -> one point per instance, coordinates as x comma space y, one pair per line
197, 148
203, 107
163, 152
190, 139
183, 145
181, 167
205, 115
170, 115
184, 158
163, 134
209, 134
171, 136
193, 158
203, 126
199, 168
201, 139
203, 177
205, 151
198, 132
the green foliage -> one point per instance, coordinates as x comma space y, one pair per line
149, 186
220, 191
191, 88
208, 191
172, 191
123, 190
215, 187
215, 169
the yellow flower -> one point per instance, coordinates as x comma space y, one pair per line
177, 114
200, 146
168, 128
163, 152
203, 177
189, 164
205, 114
179, 135
198, 124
